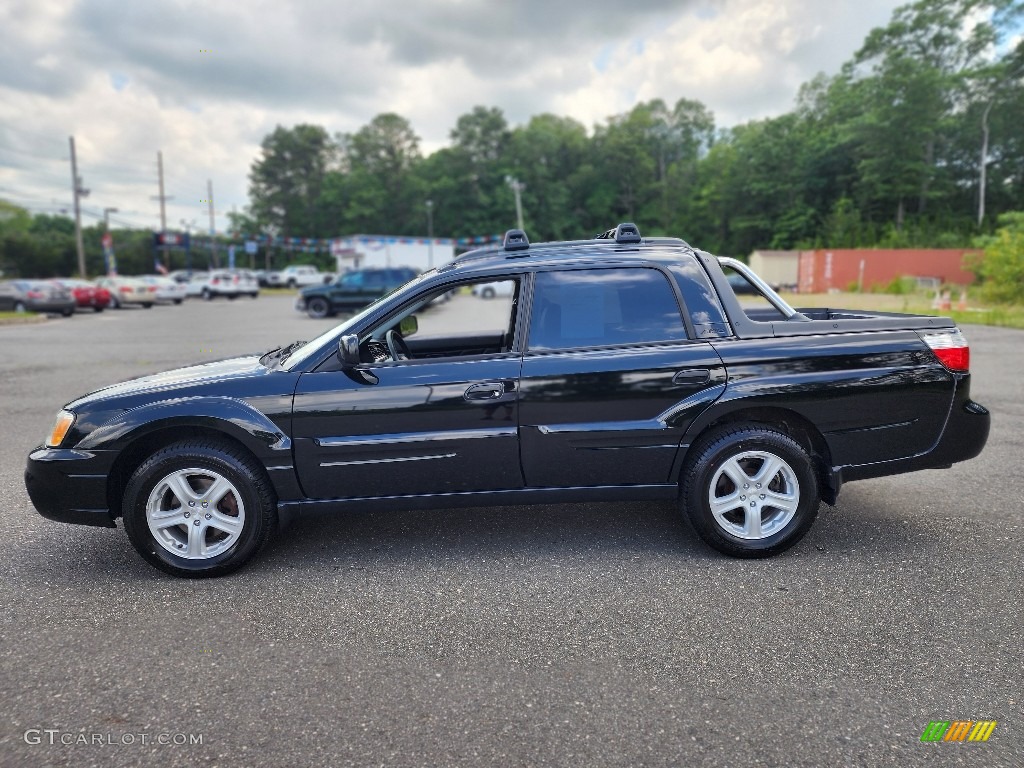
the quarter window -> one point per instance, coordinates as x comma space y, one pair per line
603, 307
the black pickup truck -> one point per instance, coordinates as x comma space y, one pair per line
604, 369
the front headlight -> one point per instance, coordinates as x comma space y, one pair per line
64, 421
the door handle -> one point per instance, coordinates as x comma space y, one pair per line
692, 376
488, 390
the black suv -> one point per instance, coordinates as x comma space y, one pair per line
351, 291
616, 368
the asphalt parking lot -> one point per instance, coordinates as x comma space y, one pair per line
575, 635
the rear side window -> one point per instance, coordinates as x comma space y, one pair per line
603, 307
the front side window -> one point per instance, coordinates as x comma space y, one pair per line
451, 322
603, 307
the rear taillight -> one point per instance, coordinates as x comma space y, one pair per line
215, 280
152, 289
951, 348
125, 289
35, 294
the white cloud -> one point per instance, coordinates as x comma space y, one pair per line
129, 79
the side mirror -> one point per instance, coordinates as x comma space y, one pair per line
348, 351
408, 326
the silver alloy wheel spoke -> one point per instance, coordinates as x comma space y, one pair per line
754, 495
184, 515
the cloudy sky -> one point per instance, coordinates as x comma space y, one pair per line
204, 81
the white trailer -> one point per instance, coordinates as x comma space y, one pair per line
363, 251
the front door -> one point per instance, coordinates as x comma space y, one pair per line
444, 421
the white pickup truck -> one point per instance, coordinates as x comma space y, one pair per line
296, 275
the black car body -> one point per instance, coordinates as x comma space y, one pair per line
617, 368
351, 291
36, 296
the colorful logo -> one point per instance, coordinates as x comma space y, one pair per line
958, 730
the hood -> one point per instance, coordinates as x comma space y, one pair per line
177, 379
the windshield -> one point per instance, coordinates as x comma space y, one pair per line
311, 348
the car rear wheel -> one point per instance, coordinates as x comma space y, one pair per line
115, 303
487, 293
750, 491
198, 509
67, 312
146, 305
318, 308
177, 301
207, 296
97, 309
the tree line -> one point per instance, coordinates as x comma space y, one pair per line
915, 142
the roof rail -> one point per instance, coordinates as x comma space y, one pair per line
624, 233
516, 240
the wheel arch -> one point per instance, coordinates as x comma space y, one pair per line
146, 442
786, 421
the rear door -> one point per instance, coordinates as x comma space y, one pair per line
611, 379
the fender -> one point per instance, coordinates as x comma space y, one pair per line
231, 416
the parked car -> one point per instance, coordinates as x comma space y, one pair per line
128, 290
86, 294
195, 283
225, 282
491, 290
36, 296
297, 275
619, 368
351, 291
167, 288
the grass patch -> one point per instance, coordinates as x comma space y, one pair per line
15, 318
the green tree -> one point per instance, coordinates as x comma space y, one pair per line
1002, 264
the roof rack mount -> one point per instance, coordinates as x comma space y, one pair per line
624, 233
516, 240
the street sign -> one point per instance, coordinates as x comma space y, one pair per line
251, 246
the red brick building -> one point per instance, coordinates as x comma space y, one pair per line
822, 270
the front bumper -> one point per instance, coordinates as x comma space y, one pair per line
70, 486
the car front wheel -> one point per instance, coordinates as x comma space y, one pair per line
750, 491
198, 508
318, 308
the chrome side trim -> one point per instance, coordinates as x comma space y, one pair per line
274, 469
600, 426
384, 461
414, 437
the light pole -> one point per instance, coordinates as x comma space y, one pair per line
517, 188
188, 243
430, 234
108, 245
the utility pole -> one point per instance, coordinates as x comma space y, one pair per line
209, 201
162, 197
430, 234
109, 264
517, 188
77, 191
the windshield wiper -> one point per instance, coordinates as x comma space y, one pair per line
280, 354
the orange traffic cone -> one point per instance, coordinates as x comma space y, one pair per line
937, 300
947, 301
962, 304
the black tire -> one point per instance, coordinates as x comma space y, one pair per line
147, 305
97, 309
733, 531
67, 312
255, 295
318, 308
177, 301
207, 296
114, 302
292, 284
232, 296
240, 469
487, 293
